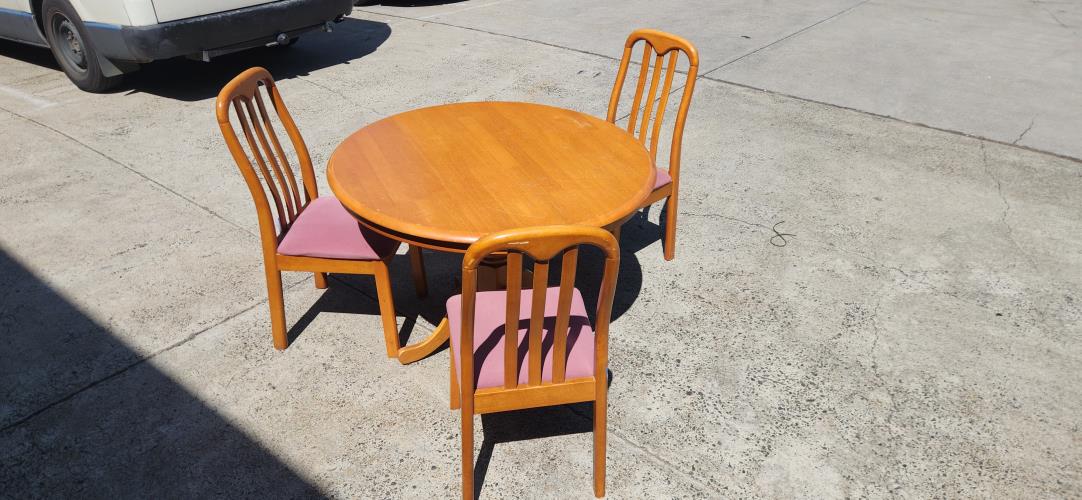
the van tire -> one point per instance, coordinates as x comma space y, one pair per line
73, 50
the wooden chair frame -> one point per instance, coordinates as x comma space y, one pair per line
542, 244
276, 176
657, 45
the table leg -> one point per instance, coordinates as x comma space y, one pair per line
491, 275
416, 352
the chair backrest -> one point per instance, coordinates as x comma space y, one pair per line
657, 45
543, 245
271, 172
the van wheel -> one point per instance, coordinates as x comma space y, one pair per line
72, 49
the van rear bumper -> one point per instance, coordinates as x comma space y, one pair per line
221, 32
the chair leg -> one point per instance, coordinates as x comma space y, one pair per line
670, 227
600, 406
417, 264
277, 308
321, 280
467, 450
386, 309
616, 232
456, 393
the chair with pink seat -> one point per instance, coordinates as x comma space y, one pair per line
663, 51
303, 233
558, 356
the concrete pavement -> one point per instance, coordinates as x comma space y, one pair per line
918, 337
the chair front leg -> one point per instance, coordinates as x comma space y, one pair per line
321, 280
386, 309
277, 307
600, 425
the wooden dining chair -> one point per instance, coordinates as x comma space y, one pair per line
305, 232
558, 356
660, 53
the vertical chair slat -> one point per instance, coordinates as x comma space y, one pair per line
664, 103
617, 89
639, 85
649, 104
280, 153
245, 119
291, 212
537, 319
563, 314
510, 332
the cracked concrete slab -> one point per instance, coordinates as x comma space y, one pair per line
1003, 71
916, 333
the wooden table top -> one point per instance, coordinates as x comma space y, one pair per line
444, 176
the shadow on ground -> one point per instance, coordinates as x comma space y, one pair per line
408, 3
444, 273
190, 80
137, 434
522, 425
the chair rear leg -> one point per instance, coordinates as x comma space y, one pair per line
670, 227
386, 309
417, 265
321, 280
600, 413
277, 308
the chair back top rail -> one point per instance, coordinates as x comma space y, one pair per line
657, 44
543, 245
271, 171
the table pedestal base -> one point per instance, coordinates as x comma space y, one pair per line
491, 275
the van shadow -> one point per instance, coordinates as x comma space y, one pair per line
83, 416
189, 80
409, 3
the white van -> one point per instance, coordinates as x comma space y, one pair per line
97, 41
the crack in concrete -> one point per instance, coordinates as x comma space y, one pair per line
1040, 5
1003, 218
710, 485
877, 330
891, 118
339, 94
791, 35
1024, 132
132, 170
140, 361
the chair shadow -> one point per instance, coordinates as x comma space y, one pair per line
525, 425
342, 289
530, 424
189, 80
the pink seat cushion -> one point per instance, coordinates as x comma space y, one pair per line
488, 337
326, 230
662, 179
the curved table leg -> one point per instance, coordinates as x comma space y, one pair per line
416, 352
492, 275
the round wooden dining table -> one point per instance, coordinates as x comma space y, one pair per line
444, 176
